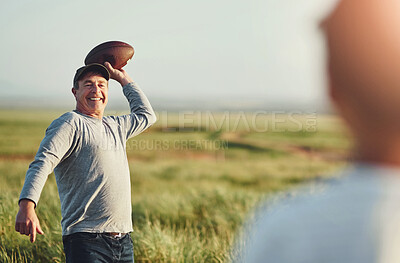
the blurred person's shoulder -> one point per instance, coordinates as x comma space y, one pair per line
345, 216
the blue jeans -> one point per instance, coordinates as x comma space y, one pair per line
97, 247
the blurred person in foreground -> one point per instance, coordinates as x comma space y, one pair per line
87, 152
357, 217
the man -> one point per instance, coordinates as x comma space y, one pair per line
88, 154
357, 217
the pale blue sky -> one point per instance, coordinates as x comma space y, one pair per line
255, 52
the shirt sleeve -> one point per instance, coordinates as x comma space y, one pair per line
53, 148
142, 114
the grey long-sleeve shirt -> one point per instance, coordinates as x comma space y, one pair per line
88, 156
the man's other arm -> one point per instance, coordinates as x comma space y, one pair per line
27, 222
52, 150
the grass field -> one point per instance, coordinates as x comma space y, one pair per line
196, 177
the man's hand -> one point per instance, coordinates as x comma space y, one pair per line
27, 222
119, 75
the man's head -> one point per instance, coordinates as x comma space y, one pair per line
363, 40
91, 89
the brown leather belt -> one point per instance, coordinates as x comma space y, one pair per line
115, 235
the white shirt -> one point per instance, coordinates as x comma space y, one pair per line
355, 219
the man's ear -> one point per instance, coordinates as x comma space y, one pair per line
332, 88
73, 91
333, 92
335, 95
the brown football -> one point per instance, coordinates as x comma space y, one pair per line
116, 52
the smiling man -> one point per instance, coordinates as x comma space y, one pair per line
91, 98
88, 155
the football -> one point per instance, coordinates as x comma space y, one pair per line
116, 52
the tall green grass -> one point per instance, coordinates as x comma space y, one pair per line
193, 186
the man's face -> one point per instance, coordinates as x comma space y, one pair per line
92, 95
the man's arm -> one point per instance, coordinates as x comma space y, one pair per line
142, 114
54, 147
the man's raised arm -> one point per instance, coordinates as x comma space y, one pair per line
142, 114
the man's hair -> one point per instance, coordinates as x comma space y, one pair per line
89, 73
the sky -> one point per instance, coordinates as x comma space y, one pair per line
217, 54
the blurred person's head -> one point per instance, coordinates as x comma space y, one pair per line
363, 39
